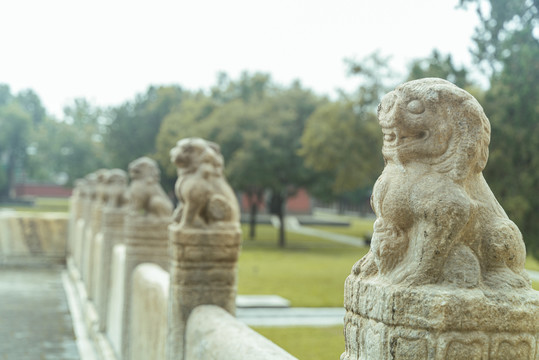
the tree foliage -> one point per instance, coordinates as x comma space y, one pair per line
342, 138
15, 127
132, 128
442, 67
508, 49
257, 125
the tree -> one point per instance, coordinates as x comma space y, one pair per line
63, 148
441, 67
340, 141
132, 128
15, 127
185, 120
31, 103
257, 125
342, 138
19, 114
507, 49
506, 27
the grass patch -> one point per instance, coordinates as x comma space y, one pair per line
310, 271
313, 343
535, 285
359, 227
532, 263
43, 205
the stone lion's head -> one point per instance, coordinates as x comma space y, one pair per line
116, 177
433, 121
190, 153
144, 168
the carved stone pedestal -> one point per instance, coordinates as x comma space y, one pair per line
202, 271
92, 239
146, 241
439, 323
113, 233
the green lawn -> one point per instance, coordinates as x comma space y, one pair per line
532, 263
43, 205
313, 343
310, 272
358, 227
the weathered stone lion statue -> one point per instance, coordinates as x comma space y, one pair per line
146, 196
437, 219
116, 188
205, 197
444, 278
101, 190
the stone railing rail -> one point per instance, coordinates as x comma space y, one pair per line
141, 274
32, 238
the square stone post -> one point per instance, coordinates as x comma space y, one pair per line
203, 270
113, 233
75, 213
95, 232
146, 241
87, 212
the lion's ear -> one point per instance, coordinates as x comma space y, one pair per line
214, 146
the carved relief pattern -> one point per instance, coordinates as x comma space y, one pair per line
368, 339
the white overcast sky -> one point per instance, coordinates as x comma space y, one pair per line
110, 50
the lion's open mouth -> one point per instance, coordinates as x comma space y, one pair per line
394, 137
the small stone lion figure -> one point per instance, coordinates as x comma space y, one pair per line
116, 188
91, 186
101, 191
146, 196
205, 197
79, 190
437, 219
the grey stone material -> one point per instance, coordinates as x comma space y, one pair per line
34, 316
261, 301
444, 278
149, 308
28, 238
213, 334
203, 270
146, 241
113, 233
145, 194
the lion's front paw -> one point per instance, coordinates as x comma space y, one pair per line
365, 266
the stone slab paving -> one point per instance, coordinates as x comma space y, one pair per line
35, 322
293, 225
291, 316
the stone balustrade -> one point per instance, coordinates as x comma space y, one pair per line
444, 277
29, 238
141, 270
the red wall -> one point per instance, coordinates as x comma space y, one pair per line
299, 203
42, 190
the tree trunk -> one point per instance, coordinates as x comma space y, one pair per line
252, 220
281, 216
9, 191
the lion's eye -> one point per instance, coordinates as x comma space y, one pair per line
416, 107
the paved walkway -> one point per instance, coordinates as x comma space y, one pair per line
293, 225
35, 322
291, 316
